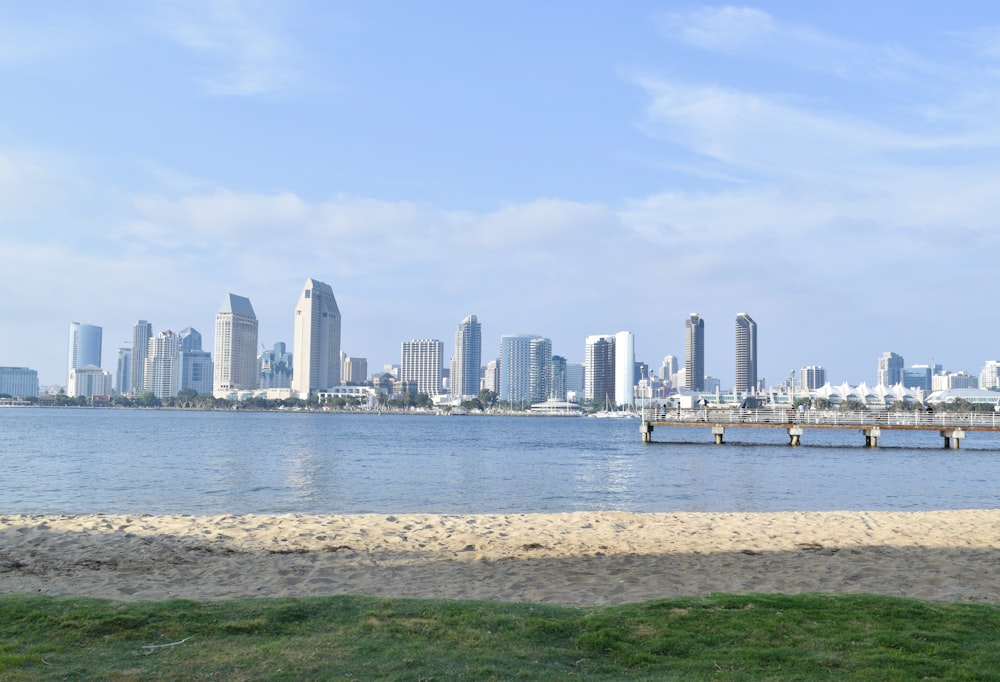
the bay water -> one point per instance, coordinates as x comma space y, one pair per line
75, 461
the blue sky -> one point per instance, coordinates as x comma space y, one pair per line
563, 169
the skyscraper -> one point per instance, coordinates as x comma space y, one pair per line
694, 353
141, 334
84, 345
465, 371
599, 380
162, 370
890, 369
235, 347
746, 353
196, 372
812, 377
123, 379
558, 383
316, 341
420, 364
525, 368
625, 376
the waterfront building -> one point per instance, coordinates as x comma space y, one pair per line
84, 345
235, 366
88, 381
19, 382
625, 369
943, 381
162, 369
746, 353
890, 369
491, 376
812, 377
420, 365
525, 368
917, 376
316, 343
355, 372
694, 353
196, 370
989, 376
599, 359
463, 380
558, 382
123, 378
575, 379
141, 334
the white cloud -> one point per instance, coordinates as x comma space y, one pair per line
240, 39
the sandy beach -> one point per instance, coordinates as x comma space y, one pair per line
575, 558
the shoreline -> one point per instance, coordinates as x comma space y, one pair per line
577, 558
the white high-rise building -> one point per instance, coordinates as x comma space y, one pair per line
890, 369
141, 334
420, 364
316, 342
525, 368
162, 368
989, 376
88, 381
625, 378
235, 347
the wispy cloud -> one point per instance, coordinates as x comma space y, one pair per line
240, 41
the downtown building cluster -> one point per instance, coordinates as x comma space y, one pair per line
525, 371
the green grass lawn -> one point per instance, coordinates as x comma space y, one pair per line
717, 637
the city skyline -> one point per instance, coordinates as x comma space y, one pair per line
830, 172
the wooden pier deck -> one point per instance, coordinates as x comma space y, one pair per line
952, 426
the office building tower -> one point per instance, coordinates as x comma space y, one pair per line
355, 371
420, 365
235, 347
917, 376
746, 353
575, 379
599, 379
275, 367
316, 342
84, 345
694, 353
19, 382
812, 378
141, 334
668, 369
558, 382
196, 370
465, 369
525, 368
890, 369
162, 370
123, 379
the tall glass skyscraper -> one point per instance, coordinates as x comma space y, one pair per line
890, 369
746, 353
84, 345
694, 353
466, 365
316, 340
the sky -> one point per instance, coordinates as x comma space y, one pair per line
559, 168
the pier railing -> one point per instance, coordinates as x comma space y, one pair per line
986, 421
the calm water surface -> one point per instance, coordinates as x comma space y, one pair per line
157, 462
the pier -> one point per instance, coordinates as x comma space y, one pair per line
951, 426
